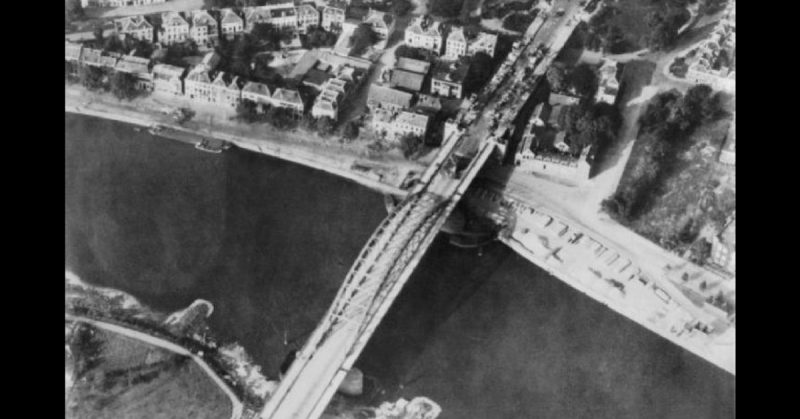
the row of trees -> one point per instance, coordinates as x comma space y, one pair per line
665, 128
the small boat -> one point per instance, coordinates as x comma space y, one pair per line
212, 145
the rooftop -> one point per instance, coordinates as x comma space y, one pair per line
424, 25
202, 18
287, 95
133, 64
256, 88
454, 72
167, 71
410, 64
230, 17
381, 94
172, 19
413, 119
407, 80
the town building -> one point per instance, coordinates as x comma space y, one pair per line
728, 153
428, 103
410, 64
231, 24
254, 16
168, 79
381, 22
608, 86
723, 247
228, 89
483, 42
139, 68
406, 80
95, 58
199, 86
382, 97
448, 79
118, 3
456, 45
135, 26
289, 99
284, 17
72, 51
423, 32
257, 93
204, 30
174, 28
328, 62
394, 124
307, 16
333, 18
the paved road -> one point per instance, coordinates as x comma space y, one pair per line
237, 406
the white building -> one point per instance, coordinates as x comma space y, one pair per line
424, 32
231, 24
135, 26
139, 68
289, 99
254, 16
229, 90
382, 23
307, 16
257, 93
456, 45
168, 79
332, 18
199, 87
285, 17
174, 28
608, 86
394, 124
483, 42
204, 30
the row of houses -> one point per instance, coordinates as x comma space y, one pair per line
206, 26
429, 34
201, 84
118, 3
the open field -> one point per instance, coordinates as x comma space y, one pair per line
135, 380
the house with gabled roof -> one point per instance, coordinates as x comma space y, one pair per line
608, 86
456, 44
138, 67
72, 51
448, 79
289, 99
381, 22
257, 93
307, 16
174, 28
482, 42
135, 26
382, 97
333, 18
230, 23
168, 79
199, 85
205, 29
424, 32
229, 89
254, 16
284, 17
395, 124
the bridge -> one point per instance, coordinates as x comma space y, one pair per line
398, 244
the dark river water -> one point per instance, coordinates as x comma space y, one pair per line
268, 243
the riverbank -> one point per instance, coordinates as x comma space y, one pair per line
384, 175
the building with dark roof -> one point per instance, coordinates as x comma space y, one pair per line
406, 80
448, 79
381, 97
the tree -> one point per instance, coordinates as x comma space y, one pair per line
91, 77
73, 10
247, 110
325, 126
446, 8
410, 144
176, 53
401, 8
123, 85
556, 77
363, 37
481, 69
583, 79
318, 37
281, 118
351, 130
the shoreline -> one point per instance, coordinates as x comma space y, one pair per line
293, 154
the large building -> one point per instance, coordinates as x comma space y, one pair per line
448, 79
456, 45
333, 18
608, 86
230, 23
174, 28
228, 89
288, 99
483, 42
118, 3
199, 86
381, 97
257, 93
284, 17
409, 74
168, 79
307, 16
135, 26
382, 23
392, 124
424, 32
139, 68
204, 30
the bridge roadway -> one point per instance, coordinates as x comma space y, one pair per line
396, 247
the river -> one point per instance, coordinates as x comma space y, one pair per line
486, 335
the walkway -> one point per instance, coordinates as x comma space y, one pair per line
237, 407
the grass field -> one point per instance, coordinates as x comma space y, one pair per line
136, 380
